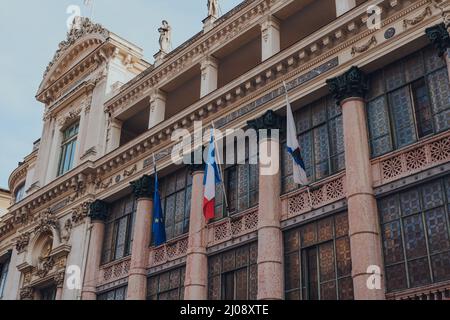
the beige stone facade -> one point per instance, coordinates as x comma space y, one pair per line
372, 109
5, 201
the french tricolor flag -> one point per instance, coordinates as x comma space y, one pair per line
212, 177
293, 147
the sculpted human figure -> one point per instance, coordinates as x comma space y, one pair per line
165, 37
213, 8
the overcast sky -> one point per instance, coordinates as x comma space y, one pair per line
29, 35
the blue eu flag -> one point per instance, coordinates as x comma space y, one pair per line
158, 228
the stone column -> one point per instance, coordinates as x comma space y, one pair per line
196, 280
137, 279
343, 6
209, 74
364, 231
115, 130
98, 213
157, 108
270, 37
270, 238
438, 35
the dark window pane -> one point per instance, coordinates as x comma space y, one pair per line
440, 264
401, 106
422, 108
392, 242
396, 277
326, 262
419, 272
414, 237
346, 288
343, 257
438, 238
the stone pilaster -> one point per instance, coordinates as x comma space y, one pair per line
365, 241
137, 280
270, 238
343, 6
196, 280
157, 108
270, 37
209, 76
98, 213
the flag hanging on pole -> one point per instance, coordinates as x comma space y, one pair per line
212, 177
293, 146
158, 227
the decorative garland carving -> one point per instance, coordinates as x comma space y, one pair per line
418, 19
128, 173
364, 47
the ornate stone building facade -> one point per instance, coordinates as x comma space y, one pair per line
372, 110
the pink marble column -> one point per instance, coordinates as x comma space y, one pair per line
98, 213
196, 280
364, 230
270, 238
137, 277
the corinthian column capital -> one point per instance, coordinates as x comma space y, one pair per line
352, 84
439, 37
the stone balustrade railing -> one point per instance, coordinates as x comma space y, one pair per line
114, 271
233, 227
169, 251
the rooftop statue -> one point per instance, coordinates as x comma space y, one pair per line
165, 37
213, 8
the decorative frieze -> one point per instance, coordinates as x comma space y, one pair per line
419, 18
364, 47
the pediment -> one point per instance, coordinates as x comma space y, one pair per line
79, 43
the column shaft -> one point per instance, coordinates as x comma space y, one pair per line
93, 261
137, 279
365, 240
196, 261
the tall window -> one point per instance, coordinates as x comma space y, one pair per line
19, 193
115, 294
408, 100
4, 265
47, 293
233, 275
321, 138
176, 191
317, 261
241, 182
167, 286
416, 235
119, 229
68, 147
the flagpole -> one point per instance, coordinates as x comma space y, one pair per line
308, 188
216, 154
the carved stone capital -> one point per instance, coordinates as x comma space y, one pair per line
439, 37
59, 279
143, 187
268, 121
98, 210
352, 84
26, 293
